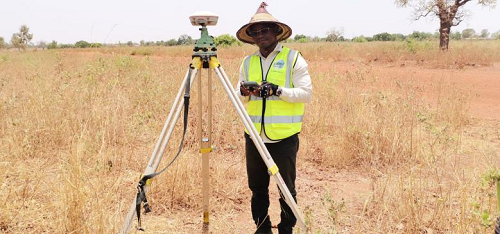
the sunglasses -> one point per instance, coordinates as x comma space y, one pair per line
262, 31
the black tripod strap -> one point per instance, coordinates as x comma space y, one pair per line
141, 193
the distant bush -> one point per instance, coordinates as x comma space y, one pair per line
63, 46
383, 37
171, 42
496, 35
96, 45
82, 44
302, 40
226, 40
2, 42
398, 37
299, 36
468, 33
359, 39
52, 45
420, 36
456, 36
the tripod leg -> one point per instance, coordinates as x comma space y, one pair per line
169, 118
206, 144
273, 169
164, 137
172, 124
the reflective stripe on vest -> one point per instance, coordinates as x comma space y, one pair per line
281, 119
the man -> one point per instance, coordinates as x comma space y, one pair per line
276, 109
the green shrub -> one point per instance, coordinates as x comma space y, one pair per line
52, 45
82, 44
302, 40
383, 37
359, 39
226, 40
63, 46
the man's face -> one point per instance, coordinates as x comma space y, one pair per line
263, 35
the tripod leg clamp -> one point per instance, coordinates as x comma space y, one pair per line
196, 63
214, 62
273, 170
207, 150
148, 181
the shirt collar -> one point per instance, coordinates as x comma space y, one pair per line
278, 48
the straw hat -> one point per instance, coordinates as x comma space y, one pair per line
262, 16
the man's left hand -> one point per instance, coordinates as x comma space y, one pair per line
268, 89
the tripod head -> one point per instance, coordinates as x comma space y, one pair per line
205, 46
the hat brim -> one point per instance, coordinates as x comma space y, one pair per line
243, 36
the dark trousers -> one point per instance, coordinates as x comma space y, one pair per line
284, 154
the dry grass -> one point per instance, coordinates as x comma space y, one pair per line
78, 126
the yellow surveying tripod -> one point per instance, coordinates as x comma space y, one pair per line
204, 58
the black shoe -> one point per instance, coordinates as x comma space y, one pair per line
264, 231
284, 230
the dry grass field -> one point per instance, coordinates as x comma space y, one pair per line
399, 138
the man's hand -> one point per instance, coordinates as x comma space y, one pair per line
268, 89
247, 92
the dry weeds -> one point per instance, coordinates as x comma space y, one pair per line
78, 126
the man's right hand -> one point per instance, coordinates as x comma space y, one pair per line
245, 92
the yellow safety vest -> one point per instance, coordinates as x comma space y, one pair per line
277, 118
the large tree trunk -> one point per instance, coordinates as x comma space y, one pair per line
444, 36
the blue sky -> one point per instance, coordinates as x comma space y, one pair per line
110, 21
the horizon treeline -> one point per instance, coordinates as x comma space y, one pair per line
22, 39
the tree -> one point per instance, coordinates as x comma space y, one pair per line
360, 39
335, 35
184, 40
16, 41
64, 46
484, 33
226, 40
302, 40
42, 45
383, 37
2, 43
52, 45
496, 35
171, 42
299, 36
130, 43
468, 33
398, 36
22, 38
95, 45
419, 36
456, 36
449, 12
82, 44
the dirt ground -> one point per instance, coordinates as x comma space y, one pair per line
351, 187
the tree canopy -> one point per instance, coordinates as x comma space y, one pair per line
22, 38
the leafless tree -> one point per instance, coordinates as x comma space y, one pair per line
450, 13
334, 34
